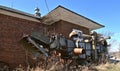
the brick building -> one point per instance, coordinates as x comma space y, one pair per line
14, 24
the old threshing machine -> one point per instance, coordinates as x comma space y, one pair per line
77, 50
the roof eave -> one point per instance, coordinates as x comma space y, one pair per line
18, 12
49, 18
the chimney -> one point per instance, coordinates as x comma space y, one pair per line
37, 13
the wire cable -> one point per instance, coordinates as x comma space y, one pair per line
47, 5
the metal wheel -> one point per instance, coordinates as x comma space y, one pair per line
74, 66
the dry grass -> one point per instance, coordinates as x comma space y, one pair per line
102, 67
108, 67
54, 67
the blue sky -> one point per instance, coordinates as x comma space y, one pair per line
105, 12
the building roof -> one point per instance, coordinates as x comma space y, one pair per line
59, 13
19, 14
62, 13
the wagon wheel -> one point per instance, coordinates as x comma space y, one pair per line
105, 59
52, 61
102, 58
41, 62
74, 66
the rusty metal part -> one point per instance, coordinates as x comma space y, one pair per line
79, 50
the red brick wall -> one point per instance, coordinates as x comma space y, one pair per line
11, 31
65, 28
